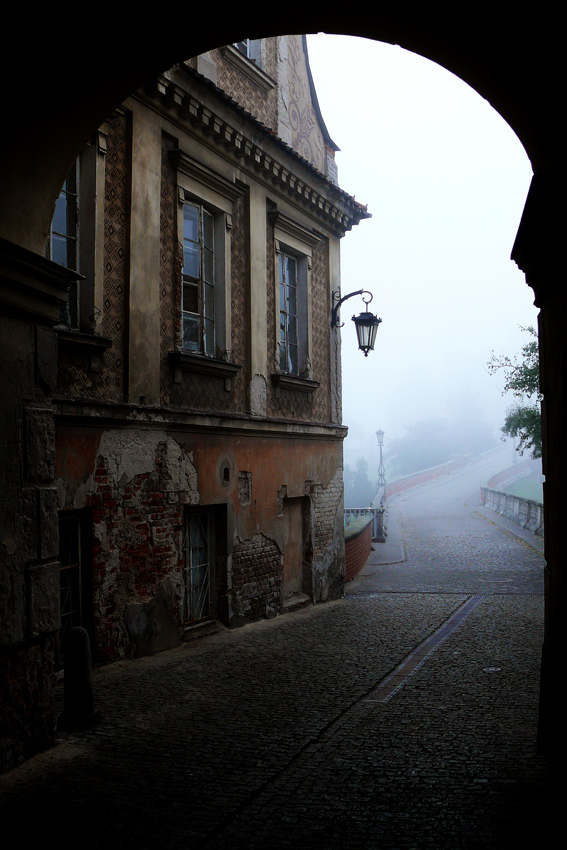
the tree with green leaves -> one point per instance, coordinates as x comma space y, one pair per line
523, 419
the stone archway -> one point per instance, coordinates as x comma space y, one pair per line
60, 89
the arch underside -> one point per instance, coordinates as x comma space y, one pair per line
74, 80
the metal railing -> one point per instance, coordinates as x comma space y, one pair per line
377, 516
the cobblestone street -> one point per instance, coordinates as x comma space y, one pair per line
393, 718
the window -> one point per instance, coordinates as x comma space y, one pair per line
198, 567
198, 276
243, 46
251, 48
246, 55
204, 227
64, 244
294, 245
76, 238
289, 358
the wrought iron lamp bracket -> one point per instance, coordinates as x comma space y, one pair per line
339, 300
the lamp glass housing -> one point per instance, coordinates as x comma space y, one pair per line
366, 329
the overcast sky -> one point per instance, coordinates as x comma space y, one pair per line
445, 179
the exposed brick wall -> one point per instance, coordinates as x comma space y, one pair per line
357, 550
137, 544
326, 502
328, 557
256, 578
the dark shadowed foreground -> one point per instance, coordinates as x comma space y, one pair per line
293, 733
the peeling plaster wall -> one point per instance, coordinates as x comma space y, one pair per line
256, 582
137, 483
137, 492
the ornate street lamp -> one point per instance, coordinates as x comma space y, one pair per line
366, 323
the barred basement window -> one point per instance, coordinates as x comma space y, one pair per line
197, 545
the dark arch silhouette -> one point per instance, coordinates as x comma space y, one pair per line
64, 75
70, 80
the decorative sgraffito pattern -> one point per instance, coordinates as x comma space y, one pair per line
320, 329
74, 376
169, 311
115, 255
243, 90
306, 137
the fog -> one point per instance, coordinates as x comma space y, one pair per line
445, 180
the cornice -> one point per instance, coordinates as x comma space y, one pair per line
260, 150
189, 166
31, 285
293, 228
97, 413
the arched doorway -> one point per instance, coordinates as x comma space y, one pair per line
73, 90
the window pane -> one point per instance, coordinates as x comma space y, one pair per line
208, 266
292, 332
209, 341
208, 230
190, 222
191, 332
191, 260
59, 224
291, 271
292, 301
293, 359
59, 250
209, 305
190, 297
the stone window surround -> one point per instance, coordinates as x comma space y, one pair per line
199, 184
294, 238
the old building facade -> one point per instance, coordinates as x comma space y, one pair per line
197, 439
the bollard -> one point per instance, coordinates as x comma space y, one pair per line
78, 705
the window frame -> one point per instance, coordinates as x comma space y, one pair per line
293, 239
67, 207
206, 609
199, 284
291, 297
81, 322
199, 185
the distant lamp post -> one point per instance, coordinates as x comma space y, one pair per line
366, 323
381, 470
